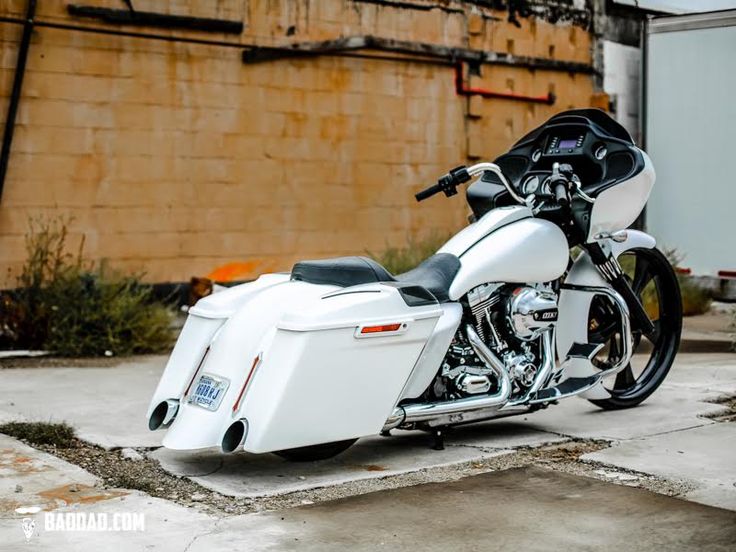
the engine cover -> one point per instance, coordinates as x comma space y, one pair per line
531, 311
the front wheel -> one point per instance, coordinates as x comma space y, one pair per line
311, 453
654, 281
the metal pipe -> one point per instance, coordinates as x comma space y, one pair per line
20, 70
117, 32
627, 339
461, 89
235, 435
422, 412
480, 168
583, 384
163, 414
548, 364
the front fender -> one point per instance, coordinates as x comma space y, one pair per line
574, 306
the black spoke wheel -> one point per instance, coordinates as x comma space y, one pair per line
655, 283
315, 452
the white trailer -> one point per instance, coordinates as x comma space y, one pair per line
690, 118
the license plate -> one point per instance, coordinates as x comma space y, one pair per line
209, 392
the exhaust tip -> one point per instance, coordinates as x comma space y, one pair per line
235, 435
395, 420
163, 414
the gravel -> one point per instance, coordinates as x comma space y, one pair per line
116, 469
727, 415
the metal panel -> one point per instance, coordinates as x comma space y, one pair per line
691, 76
695, 21
621, 81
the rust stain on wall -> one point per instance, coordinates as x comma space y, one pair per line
177, 158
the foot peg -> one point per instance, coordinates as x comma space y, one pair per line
584, 350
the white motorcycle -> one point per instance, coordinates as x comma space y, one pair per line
503, 320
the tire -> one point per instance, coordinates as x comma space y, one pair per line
312, 453
652, 277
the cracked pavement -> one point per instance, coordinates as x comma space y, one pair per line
673, 438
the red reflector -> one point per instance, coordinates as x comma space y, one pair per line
245, 385
681, 270
379, 329
194, 376
727, 273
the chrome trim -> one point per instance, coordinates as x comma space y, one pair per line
423, 412
479, 415
545, 370
480, 168
627, 342
579, 190
231, 439
171, 407
619, 236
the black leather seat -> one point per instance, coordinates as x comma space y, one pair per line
434, 274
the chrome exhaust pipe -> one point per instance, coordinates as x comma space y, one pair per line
163, 414
423, 412
235, 435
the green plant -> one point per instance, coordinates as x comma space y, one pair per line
401, 259
695, 299
60, 435
74, 308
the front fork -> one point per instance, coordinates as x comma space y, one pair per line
610, 269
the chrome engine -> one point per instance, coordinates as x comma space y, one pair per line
510, 320
531, 311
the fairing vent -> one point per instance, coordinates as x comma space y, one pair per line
619, 165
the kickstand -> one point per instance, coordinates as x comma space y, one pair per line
439, 439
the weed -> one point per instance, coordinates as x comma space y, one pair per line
41, 433
74, 308
401, 259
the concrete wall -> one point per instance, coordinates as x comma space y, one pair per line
178, 158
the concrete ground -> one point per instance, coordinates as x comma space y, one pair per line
527, 509
670, 436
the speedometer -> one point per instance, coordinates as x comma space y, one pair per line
530, 185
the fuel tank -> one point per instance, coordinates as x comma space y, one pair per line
507, 245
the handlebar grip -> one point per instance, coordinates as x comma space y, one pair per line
561, 193
429, 192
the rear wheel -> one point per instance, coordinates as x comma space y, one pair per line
655, 283
311, 453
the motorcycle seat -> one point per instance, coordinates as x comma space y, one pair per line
435, 274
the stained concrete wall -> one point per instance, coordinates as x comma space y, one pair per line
178, 158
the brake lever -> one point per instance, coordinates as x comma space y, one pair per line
579, 190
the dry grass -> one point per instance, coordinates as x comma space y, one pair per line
402, 259
71, 307
41, 433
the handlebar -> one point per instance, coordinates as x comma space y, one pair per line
428, 192
561, 195
459, 175
563, 183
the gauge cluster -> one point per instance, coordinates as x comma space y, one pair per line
600, 151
